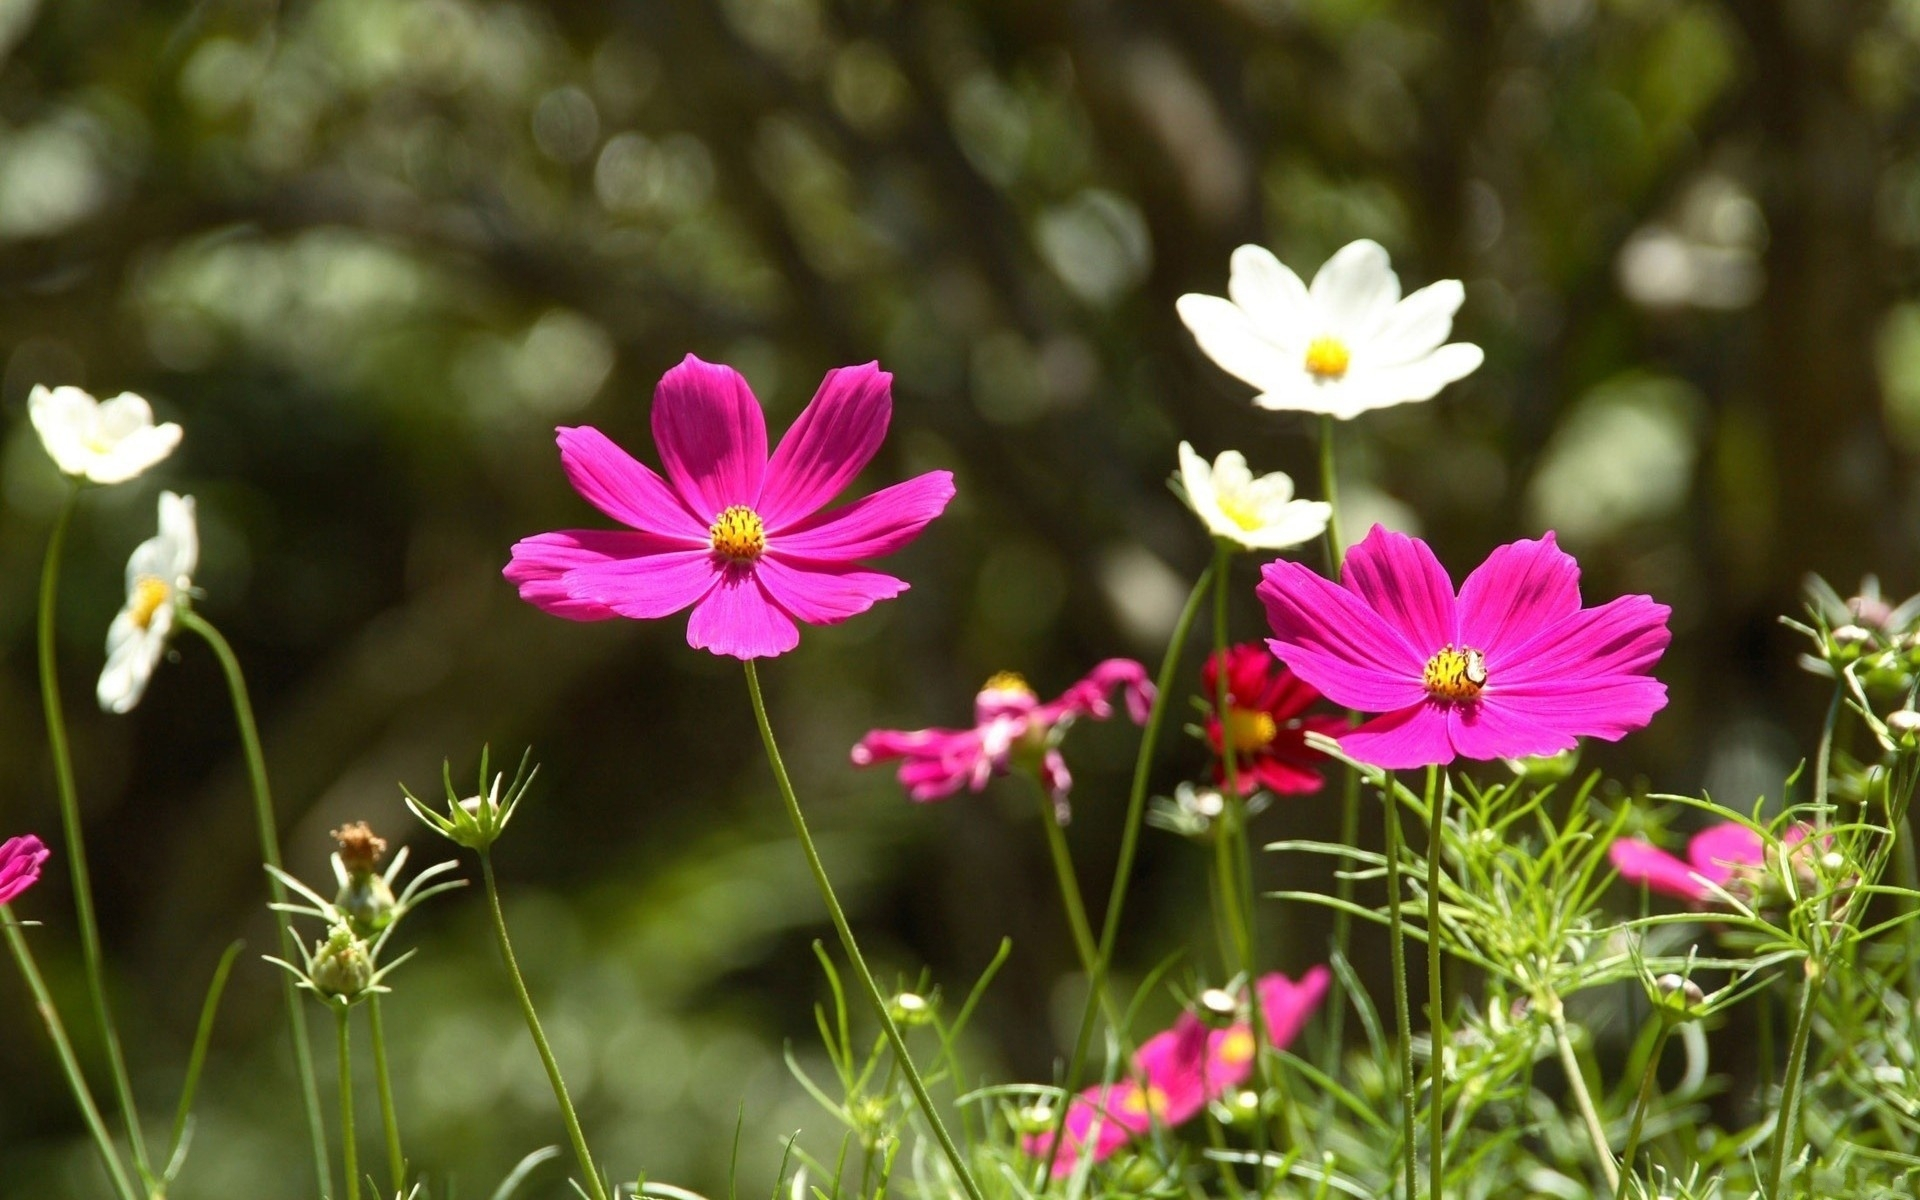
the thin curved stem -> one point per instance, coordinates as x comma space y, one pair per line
1823, 759
349, 1149
390, 1123
595, 1186
1582, 1098
852, 948
1640, 1106
1129, 847
1397, 937
1787, 1122
1070, 897
90, 955
1436, 999
268, 829
76, 1080
1350, 782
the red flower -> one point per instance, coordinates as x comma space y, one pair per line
1266, 723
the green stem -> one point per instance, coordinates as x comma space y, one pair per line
1350, 790
396, 1161
1070, 897
1336, 549
349, 1151
1786, 1130
69, 794
596, 1187
1582, 1098
1640, 1107
852, 947
76, 1081
1402, 1011
1823, 760
1129, 846
1436, 999
268, 830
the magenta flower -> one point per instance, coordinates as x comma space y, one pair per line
1716, 857
1011, 728
20, 861
1510, 668
1177, 1072
736, 535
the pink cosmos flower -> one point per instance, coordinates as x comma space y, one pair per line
736, 535
1177, 1072
20, 861
1511, 667
1716, 856
1011, 727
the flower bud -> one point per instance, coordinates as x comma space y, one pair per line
909, 1009
1904, 725
364, 896
1243, 1107
1680, 997
1217, 1007
1034, 1119
342, 966
1847, 642
1546, 768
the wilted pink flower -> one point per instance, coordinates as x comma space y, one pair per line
20, 862
1011, 727
1178, 1071
730, 532
1510, 668
1715, 856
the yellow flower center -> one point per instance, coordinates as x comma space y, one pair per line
1455, 674
1242, 513
739, 535
1237, 1047
1250, 729
1007, 681
1327, 357
1139, 1102
149, 593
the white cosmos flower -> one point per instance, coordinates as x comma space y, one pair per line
105, 442
1260, 514
159, 579
1345, 345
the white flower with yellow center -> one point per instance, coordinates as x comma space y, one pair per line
1259, 514
1347, 344
102, 441
159, 579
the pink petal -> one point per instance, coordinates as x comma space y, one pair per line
1288, 1006
1399, 578
1520, 590
823, 593
20, 861
1624, 636
712, 436
1498, 727
625, 489
1608, 708
647, 587
1415, 736
871, 527
1640, 861
738, 618
1329, 638
937, 762
540, 564
1718, 849
835, 437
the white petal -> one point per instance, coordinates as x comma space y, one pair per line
61, 416
1355, 290
1417, 380
1229, 338
1271, 295
1202, 497
1270, 492
1416, 326
182, 534
132, 653
1304, 393
134, 453
123, 416
1301, 521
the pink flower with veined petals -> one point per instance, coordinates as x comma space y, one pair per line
1178, 1071
20, 861
1715, 856
734, 534
1010, 725
1511, 667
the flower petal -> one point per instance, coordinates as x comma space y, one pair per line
1608, 708
1522, 588
1494, 727
1329, 638
1417, 325
870, 527
833, 439
20, 861
1640, 861
1415, 736
624, 488
1228, 336
738, 618
1716, 850
712, 436
823, 593
1367, 388
1287, 1005
1399, 578
1269, 292
1355, 290
539, 564
1624, 636
651, 585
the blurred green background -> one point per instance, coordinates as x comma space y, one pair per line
369, 253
